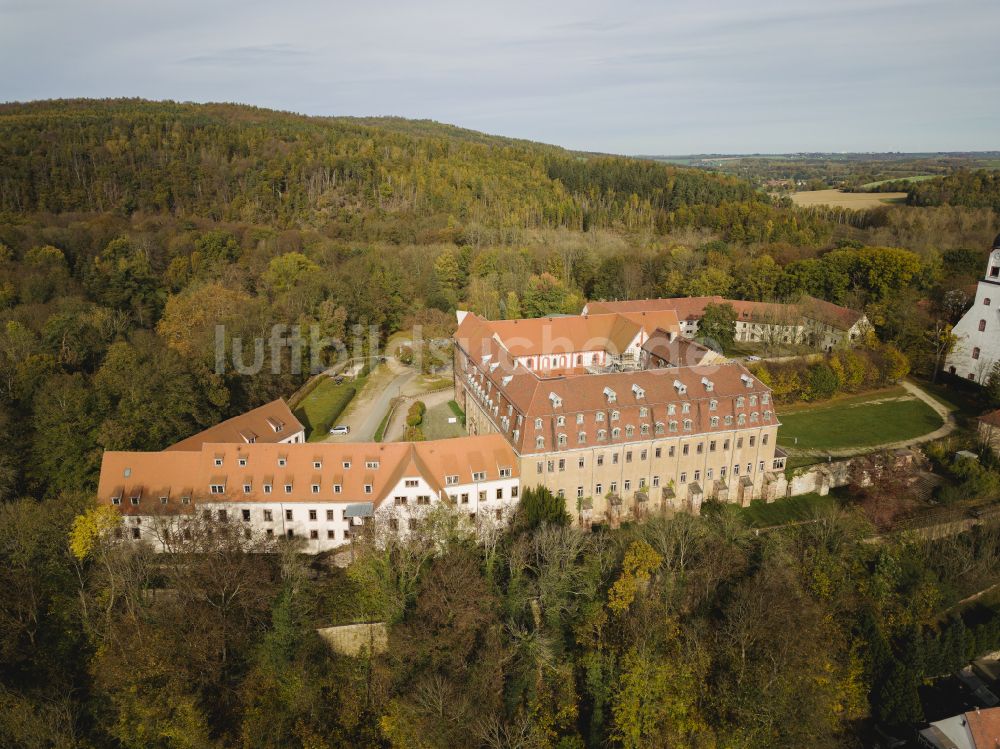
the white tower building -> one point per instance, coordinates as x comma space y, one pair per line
978, 332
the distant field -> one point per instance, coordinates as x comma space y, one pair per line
838, 199
889, 415
916, 178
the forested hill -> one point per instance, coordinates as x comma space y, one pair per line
386, 178
971, 189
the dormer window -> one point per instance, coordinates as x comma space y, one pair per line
562, 440
687, 425
629, 431
643, 412
638, 391
680, 387
581, 437
579, 418
242, 461
506, 380
685, 408
601, 435
556, 400
671, 409
451, 480
610, 395
282, 461
713, 405
317, 464
747, 380
218, 461
561, 421
538, 423
709, 386
615, 416
347, 464
599, 417
539, 443
740, 402
616, 433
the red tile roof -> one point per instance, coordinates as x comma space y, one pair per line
179, 473
262, 424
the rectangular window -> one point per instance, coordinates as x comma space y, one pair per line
482, 496
465, 498
368, 488
628, 456
579, 463
600, 459
329, 514
246, 516
579, 492
672, 451
331, 534
315, 488
288, 514
684, 478
685, 449
538, 465
268, 516
656, 481
313, 534
614, 459
312, 514
628, 484
659, 452
223, 515
267, 488
499, 493
336, 488
752, 441
513, 492
598, 489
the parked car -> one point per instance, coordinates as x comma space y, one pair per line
753, 357
340, 429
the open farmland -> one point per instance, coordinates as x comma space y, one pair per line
838, 199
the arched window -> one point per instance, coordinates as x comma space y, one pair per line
629, 431
562, 440
659, 427
539, 442
715, 421
616, 433
982, 325
601, 435
581, 437
687, 425
538, 423
975, 352
673, 426
644, 429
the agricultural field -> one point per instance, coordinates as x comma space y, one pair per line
859, 422
838, 199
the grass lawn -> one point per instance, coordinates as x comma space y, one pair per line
317, 407
804, 507
435, 425
862, 421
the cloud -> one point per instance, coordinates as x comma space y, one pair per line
264, 54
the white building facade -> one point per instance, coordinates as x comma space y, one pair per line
977, 344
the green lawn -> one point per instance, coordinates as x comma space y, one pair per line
435, 425
862, 421
804, 507
323, 404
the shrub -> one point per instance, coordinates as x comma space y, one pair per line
343, 398
413, 434
415, 416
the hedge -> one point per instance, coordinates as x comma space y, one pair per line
338, 408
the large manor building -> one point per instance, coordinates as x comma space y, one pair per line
619, 413
810, 322
612, 437
977, 334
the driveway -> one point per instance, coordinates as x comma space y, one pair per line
394, 431
365, 411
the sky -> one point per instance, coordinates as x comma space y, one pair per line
632, 77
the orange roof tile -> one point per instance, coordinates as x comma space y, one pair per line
262, 424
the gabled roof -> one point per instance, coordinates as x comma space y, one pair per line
177, 473
271, 422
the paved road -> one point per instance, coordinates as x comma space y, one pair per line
944, 430
365, 411
394, 431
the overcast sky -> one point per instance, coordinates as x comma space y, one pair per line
668, 77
